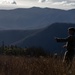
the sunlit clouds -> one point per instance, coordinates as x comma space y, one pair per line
60, 4
7, 2
42, 0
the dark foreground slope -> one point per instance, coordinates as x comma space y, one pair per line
45, 38
11, 65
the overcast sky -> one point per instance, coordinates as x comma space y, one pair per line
61, 4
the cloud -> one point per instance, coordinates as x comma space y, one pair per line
59, 2
7, 2
65, 3
43, 0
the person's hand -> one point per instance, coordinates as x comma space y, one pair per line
65, 46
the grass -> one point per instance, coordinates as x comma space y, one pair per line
17, 65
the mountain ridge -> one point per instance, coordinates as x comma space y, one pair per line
34, 18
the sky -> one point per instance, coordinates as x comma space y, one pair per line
60, 4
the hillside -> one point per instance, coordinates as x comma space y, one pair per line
10, 36
45, 38
37, 38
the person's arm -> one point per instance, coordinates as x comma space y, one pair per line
62, 39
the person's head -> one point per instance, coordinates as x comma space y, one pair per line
71, 30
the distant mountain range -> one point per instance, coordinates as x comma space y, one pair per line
35, 27
34, 18
37, 38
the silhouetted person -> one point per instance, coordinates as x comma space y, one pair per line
70, 47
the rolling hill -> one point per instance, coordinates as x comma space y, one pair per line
45, 38
11, 36
37, 38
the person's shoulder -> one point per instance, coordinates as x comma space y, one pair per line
71, 36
